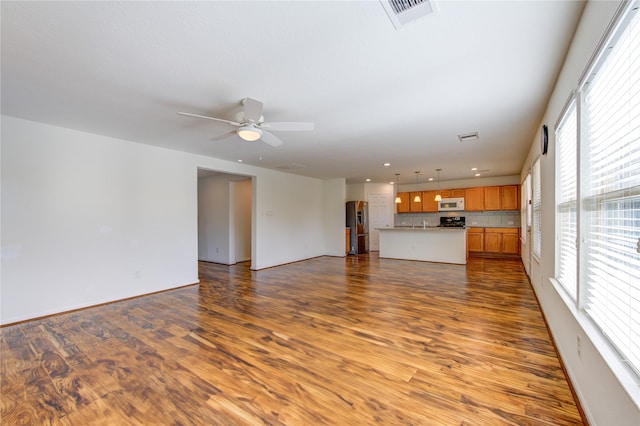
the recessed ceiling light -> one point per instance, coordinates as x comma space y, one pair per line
478, 174
392, 183
386, 164
239, 161
474, 169
368, 180
430, 179
466, 137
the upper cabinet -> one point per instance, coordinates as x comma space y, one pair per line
484, 198
429, 204
492, 198
474, 199
501, 197
415, 206
510, 197
451, 193
403, 207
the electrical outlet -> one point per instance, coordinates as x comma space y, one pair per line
579, 346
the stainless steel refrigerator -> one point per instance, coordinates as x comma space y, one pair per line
358, 222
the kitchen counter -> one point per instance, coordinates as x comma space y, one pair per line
429, 244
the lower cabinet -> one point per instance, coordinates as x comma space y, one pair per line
494, 241
475, 240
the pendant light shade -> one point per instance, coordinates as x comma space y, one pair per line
438, 196
417, 198
398, 200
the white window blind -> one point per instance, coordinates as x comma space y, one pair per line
525, 207
536, 233
610, 188
567, 192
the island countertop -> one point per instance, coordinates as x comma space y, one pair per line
430, 244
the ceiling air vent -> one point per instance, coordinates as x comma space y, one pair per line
291, 166
401, 12
466, 137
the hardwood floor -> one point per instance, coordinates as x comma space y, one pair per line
333, 341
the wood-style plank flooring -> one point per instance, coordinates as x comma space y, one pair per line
339, 341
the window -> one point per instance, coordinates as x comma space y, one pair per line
606, 182
536, 213
566, 204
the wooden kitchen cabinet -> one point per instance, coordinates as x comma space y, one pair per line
475, 240
501, 197
492, 198
509, 197
502, 240
413, 206
511, 241
451, 193
492, 240
474, 199
404, 206
428, 201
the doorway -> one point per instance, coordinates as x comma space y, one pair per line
224, 217
379, 217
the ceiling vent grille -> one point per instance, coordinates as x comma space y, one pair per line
291, 166
401, 12
466, 137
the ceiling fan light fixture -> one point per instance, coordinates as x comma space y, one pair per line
249, 133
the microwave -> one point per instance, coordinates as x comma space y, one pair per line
451, 204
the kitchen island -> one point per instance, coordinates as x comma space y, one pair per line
430, 244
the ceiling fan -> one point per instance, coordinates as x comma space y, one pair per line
251, 125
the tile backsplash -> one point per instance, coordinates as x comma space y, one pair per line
480, 219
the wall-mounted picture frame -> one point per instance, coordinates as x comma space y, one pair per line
544, 139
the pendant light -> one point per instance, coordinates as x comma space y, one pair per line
438, 196
417, 198
398, 200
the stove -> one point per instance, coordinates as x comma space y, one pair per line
452, 222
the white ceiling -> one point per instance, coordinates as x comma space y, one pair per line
375, 94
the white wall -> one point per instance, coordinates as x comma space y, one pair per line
241, 218
334, 213
88, 219
604, 386
289, 215
214, 238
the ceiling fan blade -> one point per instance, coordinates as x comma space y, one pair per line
210, 118
224, 136
290, 126
271, 139
252, 109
